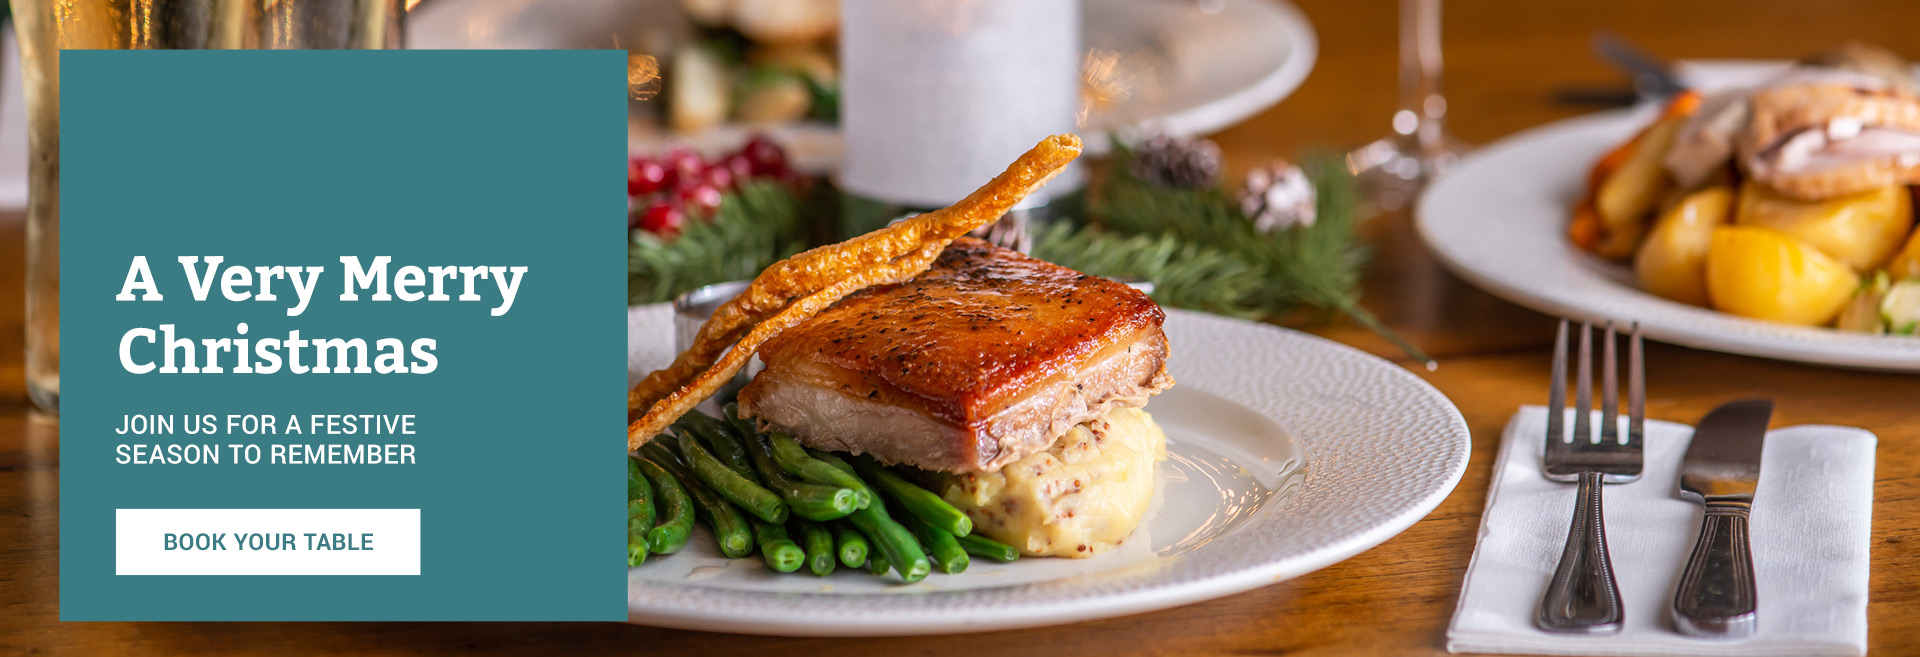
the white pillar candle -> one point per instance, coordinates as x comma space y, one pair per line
939, 96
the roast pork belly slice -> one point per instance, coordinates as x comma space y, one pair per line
987, 357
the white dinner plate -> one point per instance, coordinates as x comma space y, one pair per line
1498, 219
1287, 453
1187, 70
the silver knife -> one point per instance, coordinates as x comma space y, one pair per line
1716, 596
1653, 77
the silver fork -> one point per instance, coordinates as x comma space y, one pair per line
1582, 597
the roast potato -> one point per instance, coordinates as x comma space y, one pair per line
1759, 272
1906, 263
1627, 185
1673, 261
1860, 230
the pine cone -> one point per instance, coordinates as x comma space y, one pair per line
1278, 196
1177, 163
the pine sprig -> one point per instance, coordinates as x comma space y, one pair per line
1183, 273
757, 224
1316, 267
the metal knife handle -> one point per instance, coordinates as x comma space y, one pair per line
1582, 598
1716, 597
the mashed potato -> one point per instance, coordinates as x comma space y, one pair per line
1082, 497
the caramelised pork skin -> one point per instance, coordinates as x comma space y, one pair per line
987, 357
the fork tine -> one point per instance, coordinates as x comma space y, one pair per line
1557, 391
1636, 389
1583, 388
1609, 391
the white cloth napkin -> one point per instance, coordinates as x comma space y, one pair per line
1811, 519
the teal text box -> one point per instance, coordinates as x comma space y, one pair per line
296, 158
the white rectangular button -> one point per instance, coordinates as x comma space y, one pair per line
267, 541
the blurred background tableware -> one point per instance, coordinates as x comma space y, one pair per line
926, 111
1179, 67
1393, 169
690, 312
1499, 220
1650, 77
45, 27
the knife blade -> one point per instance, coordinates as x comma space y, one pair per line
1653, 77
1723, 461
1717, 596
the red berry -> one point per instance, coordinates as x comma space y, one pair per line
767, 157
662, 220
682, 165
645, 176
717, 177
701, 200
738, 165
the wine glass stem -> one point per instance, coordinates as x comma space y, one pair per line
1422, 114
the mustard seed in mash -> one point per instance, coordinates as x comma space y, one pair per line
1081, 497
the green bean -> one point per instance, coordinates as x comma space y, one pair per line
779, 551
637, 528
818, 543
742, 430
895, 542
729, 523
661, 454
741, 426
947, 554
810, 501
981, 546
915, 500
794, 459
760, 502
852, 545
895, 545
639, 490
718, 436
640, 513
835, 461
676, 511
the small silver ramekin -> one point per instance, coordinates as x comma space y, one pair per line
691, 311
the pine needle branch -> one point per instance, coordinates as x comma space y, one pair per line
1184, 274
757, 224
1317, 266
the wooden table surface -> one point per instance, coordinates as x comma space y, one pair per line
1504, 57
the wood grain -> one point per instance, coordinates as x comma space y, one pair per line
1504, 58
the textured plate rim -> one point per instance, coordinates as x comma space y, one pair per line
1454, 219
1437, 437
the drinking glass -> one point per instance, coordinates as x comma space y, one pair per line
1392, 170
46, 27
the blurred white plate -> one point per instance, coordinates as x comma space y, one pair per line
1189, 71
1196, 72
1287, 453
1498, 219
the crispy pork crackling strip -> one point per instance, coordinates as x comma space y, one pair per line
795, 289
663, 413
